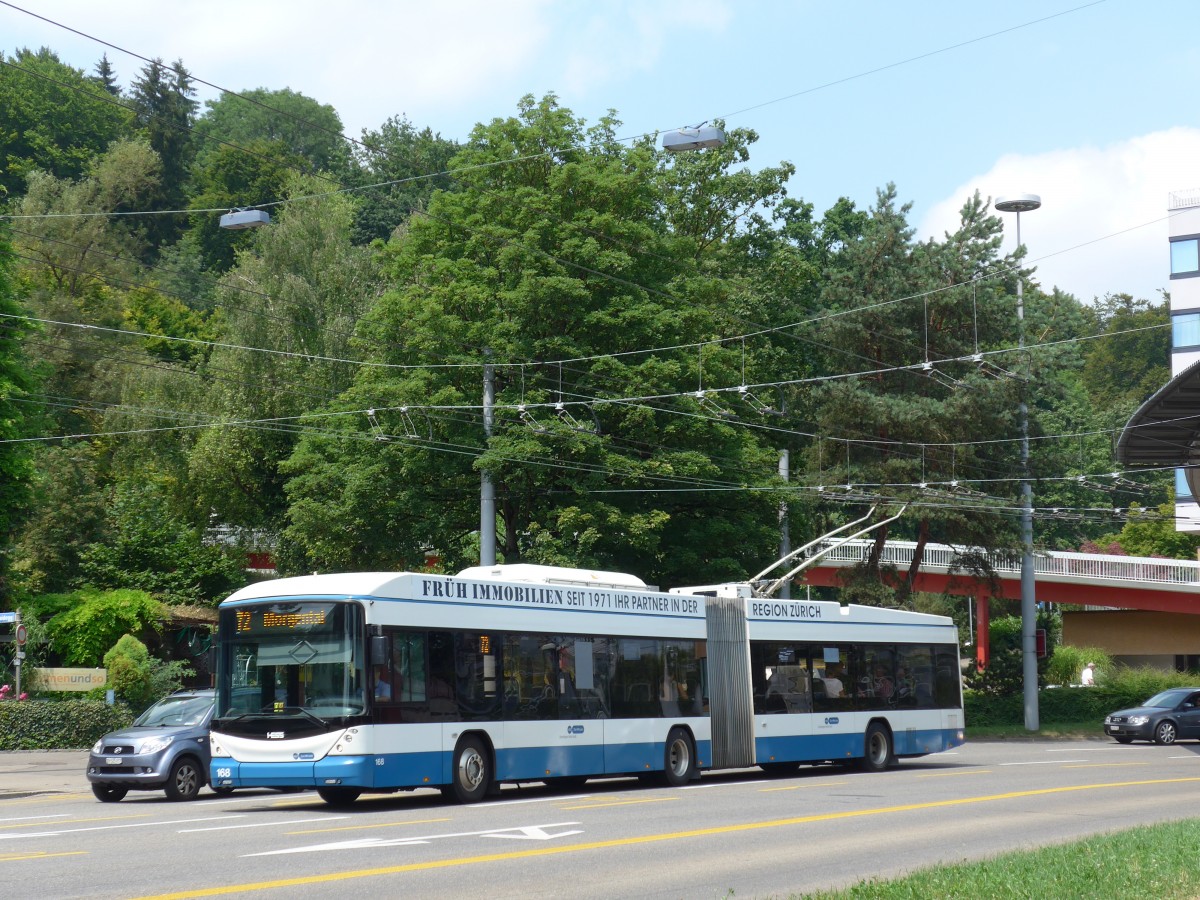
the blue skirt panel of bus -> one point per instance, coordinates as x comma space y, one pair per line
849, 745
535, 763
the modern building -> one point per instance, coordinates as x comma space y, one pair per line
1165, 431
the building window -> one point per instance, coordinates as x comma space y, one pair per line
1185, 330
1183, 493
1185, 257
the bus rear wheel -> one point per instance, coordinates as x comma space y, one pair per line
472, 775
679, 758
877, 749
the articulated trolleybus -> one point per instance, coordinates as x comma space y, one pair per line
384, 682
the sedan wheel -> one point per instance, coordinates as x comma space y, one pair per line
1165, 733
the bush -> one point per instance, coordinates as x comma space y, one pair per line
73, 725
1121, 688
1067, 663
138, 678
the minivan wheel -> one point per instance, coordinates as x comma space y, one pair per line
106, 793
185, 779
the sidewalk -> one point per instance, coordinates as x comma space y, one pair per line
26, 772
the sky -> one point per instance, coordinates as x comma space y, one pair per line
1090, 104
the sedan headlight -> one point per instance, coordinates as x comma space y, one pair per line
154, 745
98, 746
1138, 720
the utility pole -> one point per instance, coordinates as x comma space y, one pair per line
487, 491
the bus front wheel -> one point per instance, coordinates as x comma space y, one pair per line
679, 758
877, 747
339, 796
472, 771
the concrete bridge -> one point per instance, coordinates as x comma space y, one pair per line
1086, 579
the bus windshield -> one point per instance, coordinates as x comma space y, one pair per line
291, 658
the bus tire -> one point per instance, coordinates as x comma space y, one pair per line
339, 796
679, 758
877, 748
472, 773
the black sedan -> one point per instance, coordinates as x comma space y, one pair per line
1164, 718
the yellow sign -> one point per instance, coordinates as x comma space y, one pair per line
70, 679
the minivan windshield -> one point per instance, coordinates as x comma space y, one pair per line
185, 710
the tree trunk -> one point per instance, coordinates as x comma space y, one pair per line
904, 594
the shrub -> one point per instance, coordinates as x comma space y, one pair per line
74, 725
1067, 663
138, 678
85, 632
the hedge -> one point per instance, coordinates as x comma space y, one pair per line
69, 725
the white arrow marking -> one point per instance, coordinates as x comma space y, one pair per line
528, 832
532, 833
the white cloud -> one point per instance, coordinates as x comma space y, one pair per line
1102, 227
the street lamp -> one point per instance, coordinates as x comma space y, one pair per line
238, 219
700, 137
1019, 203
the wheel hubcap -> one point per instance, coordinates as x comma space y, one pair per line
470, 769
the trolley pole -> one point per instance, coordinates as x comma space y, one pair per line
785, 538
487, 490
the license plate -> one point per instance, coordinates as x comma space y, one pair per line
113, 761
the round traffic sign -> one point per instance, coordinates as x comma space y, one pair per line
20, 635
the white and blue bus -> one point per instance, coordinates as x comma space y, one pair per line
384, 682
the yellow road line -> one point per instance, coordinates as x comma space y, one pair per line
802, 787
620, 803
19, 857
1104, 765
643, 839
56, 822
356, 827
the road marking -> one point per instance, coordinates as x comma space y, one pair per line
383, 825
259, 825
717, 784
803, 787
45, 816
38, 854
526, 832
644, 839
77, 821
607, 804
557, 798
26, 834
955, 774
1111, 765
1045, 762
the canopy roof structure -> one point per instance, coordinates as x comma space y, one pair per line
1165, 431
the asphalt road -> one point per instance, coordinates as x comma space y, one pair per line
731, 834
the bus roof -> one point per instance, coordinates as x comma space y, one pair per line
527, 572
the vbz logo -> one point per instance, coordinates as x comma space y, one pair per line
831, 720
575, 729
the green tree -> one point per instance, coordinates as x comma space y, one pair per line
53, 118
398, 152
569, 250
310, 131
165, 110
66, 514
148, 547
909, 316
295, 297
96, 620
17, 417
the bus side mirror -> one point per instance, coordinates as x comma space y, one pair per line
379, 650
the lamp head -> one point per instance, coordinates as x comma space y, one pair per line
1018, 203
